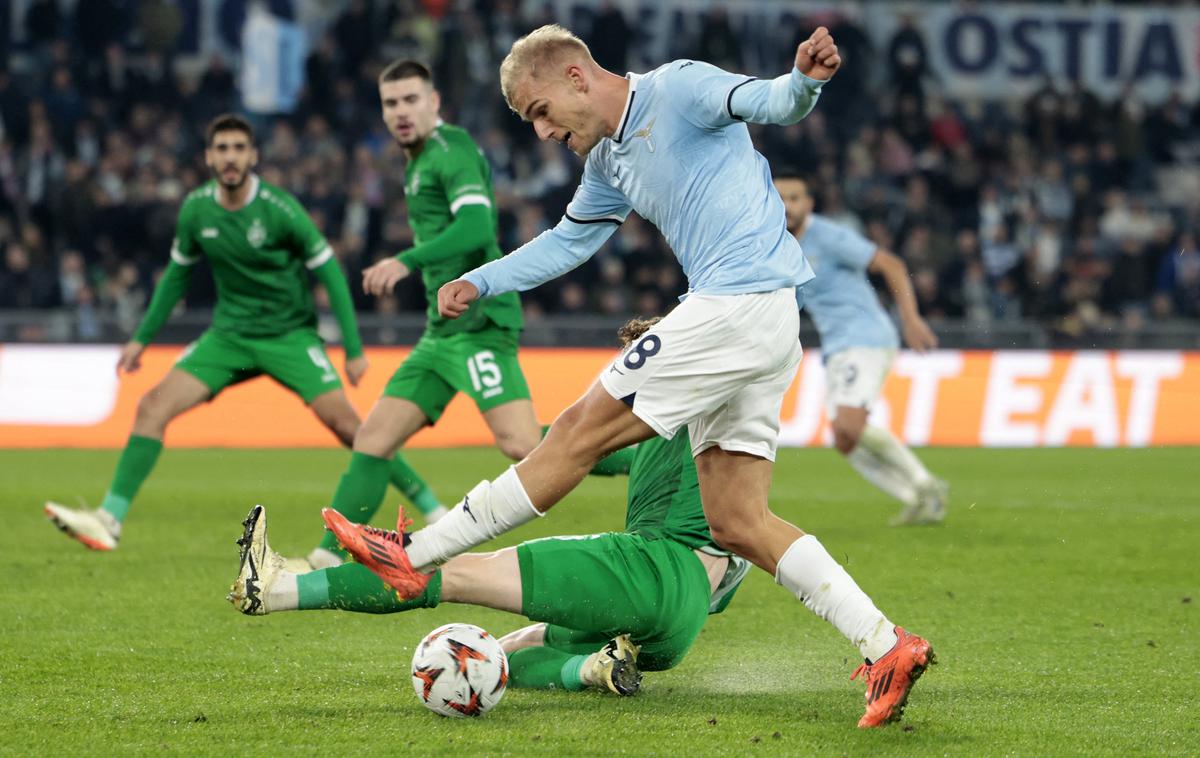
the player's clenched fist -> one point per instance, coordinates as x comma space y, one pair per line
455, 297
817, 57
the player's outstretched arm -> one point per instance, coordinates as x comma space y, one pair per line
331, 276
169, 290
722, 98
892, 268
551, 254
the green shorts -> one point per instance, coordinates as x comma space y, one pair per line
590, 589
483, 365
297, 360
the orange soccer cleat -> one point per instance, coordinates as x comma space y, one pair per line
890, 678
380, 550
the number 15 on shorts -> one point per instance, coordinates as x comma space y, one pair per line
485, 374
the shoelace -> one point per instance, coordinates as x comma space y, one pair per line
861, 669
385, 534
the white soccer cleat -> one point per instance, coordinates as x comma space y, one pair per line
929, 507
95, 528
614, 668
260, 566
933, 501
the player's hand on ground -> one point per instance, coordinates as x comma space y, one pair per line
817, 57
382, 277
455, 297
355, 368
918, 335
131, 357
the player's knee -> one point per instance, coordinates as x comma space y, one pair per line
732, 536
152, 409
516, 448
374, 439
344, 428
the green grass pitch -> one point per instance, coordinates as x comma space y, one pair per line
1062, 596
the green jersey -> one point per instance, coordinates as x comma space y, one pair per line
257, 253
449, 173
664, 493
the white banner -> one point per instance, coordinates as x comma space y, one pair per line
1008, 50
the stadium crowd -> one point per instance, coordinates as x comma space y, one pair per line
1058, 207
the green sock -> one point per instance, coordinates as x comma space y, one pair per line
359, 494
412, 486
352, 587
136, 463
545, 668
616, 463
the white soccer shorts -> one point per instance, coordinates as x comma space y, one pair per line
854, 377
719, 364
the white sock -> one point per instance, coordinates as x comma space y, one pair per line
284, 594
892, 451
882, 475
436, 514
320, 558
811, 574
487, 511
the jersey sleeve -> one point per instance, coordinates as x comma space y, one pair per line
184, 250
463, 178
592, 216
596, 201
713, 98
851, 248
307, 239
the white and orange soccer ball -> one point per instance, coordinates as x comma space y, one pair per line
459, 670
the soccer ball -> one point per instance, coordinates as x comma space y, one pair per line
459, 670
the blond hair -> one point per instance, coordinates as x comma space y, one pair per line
537, 51
634, 328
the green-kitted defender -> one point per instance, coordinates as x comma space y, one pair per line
262, 247
452, 212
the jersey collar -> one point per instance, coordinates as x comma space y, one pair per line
628, 112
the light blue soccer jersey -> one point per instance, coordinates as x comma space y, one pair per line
841, 300
681, 156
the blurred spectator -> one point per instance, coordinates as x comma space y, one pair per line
354, 31
43, 25
717, 43
1177, 284
609, 38
159, 22
907, 59
25, 283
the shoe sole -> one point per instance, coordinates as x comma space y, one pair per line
87, 542
249, 600
626, 678
913, 675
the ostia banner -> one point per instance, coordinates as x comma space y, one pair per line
70, 396
975, 50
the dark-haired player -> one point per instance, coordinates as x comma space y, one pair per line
262, 247
452, 212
